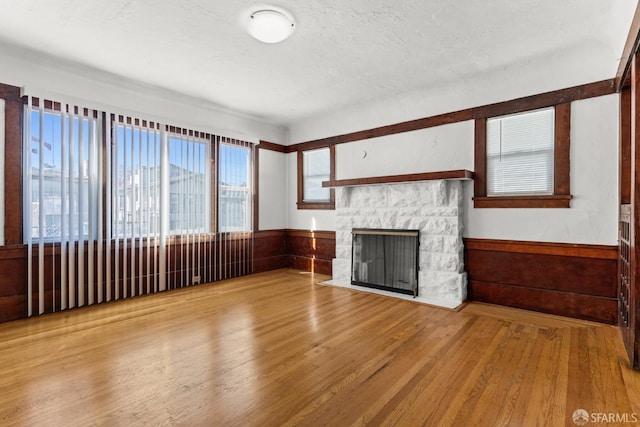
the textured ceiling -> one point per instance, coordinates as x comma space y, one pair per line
343, 53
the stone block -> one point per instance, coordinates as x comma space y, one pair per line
446, 262
367, 197
341, 269
439, 193
444, 226
452, 245
342, 197
409, 195
429, 243
443, 285
343, 252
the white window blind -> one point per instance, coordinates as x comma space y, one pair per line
117, 207
316, 167
62, 181
520, 153
235, 190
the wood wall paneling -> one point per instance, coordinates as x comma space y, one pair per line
311, 250
269, 251
566, 279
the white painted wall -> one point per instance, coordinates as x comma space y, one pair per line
46, 76
481, 88
434, 149
592, 218
273, 190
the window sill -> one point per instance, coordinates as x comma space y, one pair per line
552, 201
317, 205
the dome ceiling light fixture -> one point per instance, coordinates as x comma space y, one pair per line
270, 26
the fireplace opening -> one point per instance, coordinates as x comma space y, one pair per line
386, 259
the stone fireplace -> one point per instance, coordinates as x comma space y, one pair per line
432, 207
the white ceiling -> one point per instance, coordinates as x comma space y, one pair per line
343, 53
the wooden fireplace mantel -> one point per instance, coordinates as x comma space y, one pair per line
427, 176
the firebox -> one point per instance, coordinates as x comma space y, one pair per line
386, 259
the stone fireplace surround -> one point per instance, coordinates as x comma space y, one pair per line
434, 208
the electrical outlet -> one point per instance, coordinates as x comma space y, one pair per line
195, 280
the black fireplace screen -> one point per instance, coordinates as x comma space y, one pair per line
386, 259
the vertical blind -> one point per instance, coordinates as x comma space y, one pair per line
520, 153
117, 207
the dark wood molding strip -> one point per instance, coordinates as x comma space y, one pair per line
562, 152
575, 93
318, 234
550, 201
543, 248
262, 234
630, 48
266, 145
427, 176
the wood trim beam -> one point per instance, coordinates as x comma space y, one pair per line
543, 248
550, 201
575, 93
480, 158
623, 74
625, 146
12, 164
266, 145
562, 151
427, 176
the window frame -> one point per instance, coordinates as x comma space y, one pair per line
561, 197
329, 204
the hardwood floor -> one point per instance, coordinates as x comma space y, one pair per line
277, 348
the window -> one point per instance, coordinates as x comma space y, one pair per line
314, 167
522, 159
69, 178
235, 192
136, 175
520, 153
189, 185
62, 183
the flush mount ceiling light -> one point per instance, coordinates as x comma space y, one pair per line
270, 26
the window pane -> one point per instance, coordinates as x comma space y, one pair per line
137, 204
60, 160
188, 185
234, 188
520, 153
316, 168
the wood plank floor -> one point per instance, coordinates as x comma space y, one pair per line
278, 348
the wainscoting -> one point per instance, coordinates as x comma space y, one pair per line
272, 250
571, 280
